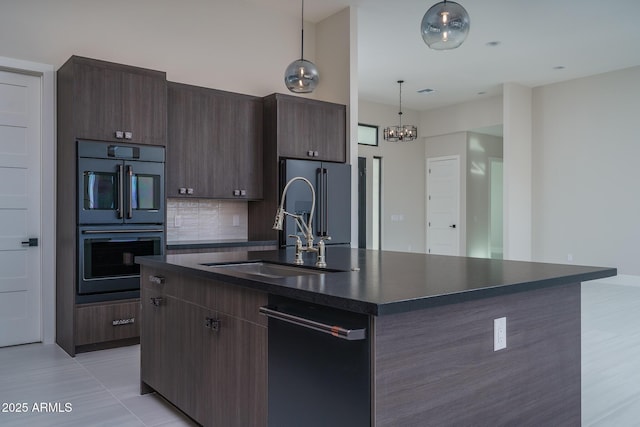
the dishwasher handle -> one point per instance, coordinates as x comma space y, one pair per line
336, 331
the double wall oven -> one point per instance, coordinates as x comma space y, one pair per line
121, 213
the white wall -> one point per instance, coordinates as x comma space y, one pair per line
517, 172
337, 53
229, 45
482, 113
586, 147
403, 181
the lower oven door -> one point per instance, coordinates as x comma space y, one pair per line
106, 266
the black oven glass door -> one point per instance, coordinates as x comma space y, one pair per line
107, 261
144, 192
100, 190
117, 192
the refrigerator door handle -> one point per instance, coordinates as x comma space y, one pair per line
320, 201
325, 203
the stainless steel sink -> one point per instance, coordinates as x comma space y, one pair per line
265, 269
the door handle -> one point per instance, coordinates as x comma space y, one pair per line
452, 226
130, 207
31, 242
336, 331
120, 193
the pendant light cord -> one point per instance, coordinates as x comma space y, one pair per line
400, 112
302, 31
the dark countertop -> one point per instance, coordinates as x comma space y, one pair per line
387, 282
226, 243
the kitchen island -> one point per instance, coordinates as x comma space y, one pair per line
429, 338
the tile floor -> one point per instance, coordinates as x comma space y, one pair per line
611, 353
103, 387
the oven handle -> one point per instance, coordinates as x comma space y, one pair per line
158, 230
120, 192
130, 208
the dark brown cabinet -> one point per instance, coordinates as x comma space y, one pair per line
102, 322
204, 348
214, 147
104, 101
306, 128
297, 128
114, 102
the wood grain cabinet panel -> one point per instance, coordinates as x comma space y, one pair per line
307, 128
204, 348
101, 322
214, 147
111, 98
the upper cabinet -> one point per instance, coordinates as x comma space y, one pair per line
305, 128
114, 102
214, 147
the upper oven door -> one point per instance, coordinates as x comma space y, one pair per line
144, 192
100, 191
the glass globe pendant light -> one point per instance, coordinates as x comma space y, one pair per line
445, 25
301, 76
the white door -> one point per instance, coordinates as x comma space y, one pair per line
20, 147
443, 205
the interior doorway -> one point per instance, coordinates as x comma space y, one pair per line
443, 205
362, 202
44, 156
20, 209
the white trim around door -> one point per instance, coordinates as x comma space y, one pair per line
46, 73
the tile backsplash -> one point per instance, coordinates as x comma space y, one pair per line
206, 219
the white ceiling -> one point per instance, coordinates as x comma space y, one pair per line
585, 37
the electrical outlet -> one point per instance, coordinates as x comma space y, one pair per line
177, 221
499, 333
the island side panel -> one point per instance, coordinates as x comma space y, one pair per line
437, 366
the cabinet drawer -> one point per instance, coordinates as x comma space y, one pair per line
97, 323
233, 300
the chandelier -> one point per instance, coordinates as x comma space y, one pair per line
400, 133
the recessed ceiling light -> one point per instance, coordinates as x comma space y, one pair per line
559, 67
493, 43
427, 90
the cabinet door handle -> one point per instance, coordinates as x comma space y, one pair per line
336, 331
158, 280
156, 302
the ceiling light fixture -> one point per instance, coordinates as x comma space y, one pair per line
445, 25
400, 133
301, 76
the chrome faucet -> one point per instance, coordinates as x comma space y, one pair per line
305, 228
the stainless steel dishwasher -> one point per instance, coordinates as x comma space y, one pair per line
319, 365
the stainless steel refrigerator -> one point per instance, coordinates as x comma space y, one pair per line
332, 184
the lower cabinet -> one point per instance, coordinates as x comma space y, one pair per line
106, 322
204, 348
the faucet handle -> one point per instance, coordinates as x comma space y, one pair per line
323, 238
295, 236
